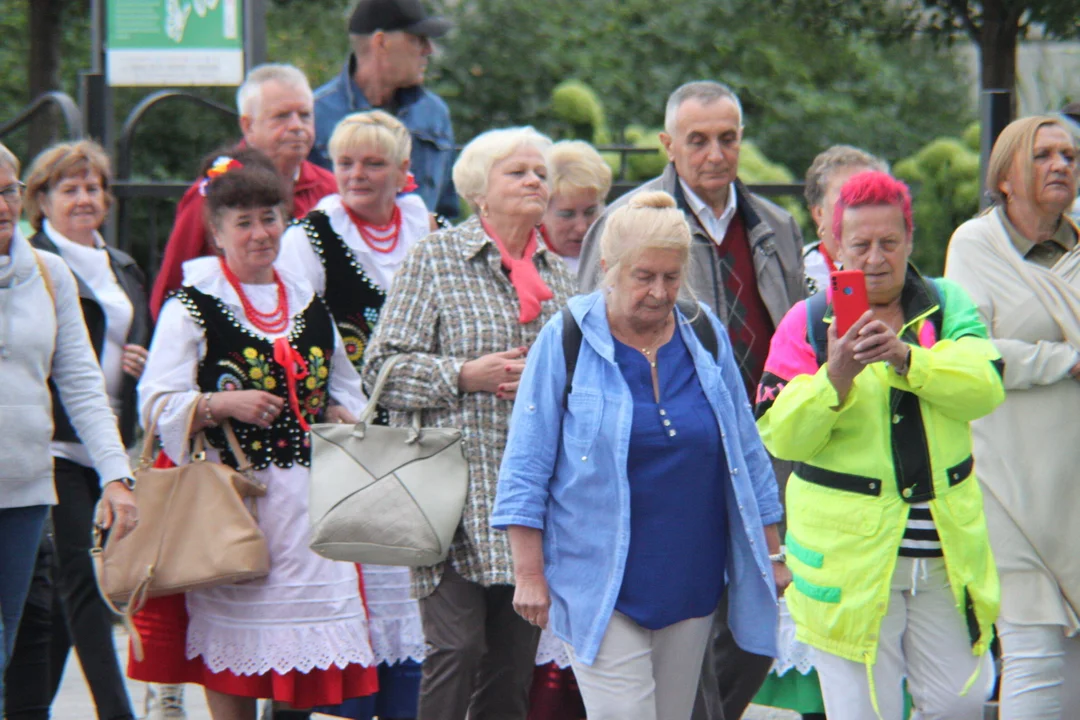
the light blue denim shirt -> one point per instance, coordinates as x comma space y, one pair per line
564, 472
425, 115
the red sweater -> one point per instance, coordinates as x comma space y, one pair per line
189, 238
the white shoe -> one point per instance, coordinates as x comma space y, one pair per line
165, 702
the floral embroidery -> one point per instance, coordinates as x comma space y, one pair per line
258, 369
353, 338
228, 381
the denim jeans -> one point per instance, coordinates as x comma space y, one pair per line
20, 535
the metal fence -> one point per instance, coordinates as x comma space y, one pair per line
156, 199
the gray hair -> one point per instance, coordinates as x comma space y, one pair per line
250, 93
705, 92
474, 164
836, 158
8, 158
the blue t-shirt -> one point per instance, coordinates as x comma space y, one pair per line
678, 478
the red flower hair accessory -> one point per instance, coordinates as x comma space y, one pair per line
221, 165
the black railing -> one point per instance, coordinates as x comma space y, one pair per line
68, 110
127, 189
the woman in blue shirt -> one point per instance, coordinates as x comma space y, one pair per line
637, 499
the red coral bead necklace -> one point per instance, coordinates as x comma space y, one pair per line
271, 323
380, 238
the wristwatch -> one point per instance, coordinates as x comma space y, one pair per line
780, 557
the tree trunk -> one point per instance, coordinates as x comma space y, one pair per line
998, 39
44, 68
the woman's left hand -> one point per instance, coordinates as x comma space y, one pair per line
782, 577
117, 510
532, 599
879, 343
134, 360
338, 414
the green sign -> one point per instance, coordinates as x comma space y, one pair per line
174, 42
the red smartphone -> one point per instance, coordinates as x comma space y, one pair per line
848, 298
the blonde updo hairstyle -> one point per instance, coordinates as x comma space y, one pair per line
648, 221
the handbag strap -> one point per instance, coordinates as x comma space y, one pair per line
373, 401
199, 441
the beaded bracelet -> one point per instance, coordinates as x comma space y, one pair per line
208, 416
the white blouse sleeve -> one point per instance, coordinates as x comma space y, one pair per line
298, 257
169, 382
345, 386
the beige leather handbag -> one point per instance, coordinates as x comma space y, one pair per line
385, 495
195, 531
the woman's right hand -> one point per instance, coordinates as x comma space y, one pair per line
255, 407
532, 600
843, 367
497, 373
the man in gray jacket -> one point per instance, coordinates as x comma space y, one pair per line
746, 264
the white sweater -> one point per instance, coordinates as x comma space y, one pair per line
39, 338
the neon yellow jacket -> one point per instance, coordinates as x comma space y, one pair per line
895, 440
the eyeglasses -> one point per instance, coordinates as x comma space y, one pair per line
12, 193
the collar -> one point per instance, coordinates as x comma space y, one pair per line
1065, 235
704, 211
306, 177
358, 102
476, 239
66, 245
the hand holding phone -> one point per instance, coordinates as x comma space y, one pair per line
849, 298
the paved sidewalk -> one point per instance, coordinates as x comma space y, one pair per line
74, 703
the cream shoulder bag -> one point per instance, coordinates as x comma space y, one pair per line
385, 495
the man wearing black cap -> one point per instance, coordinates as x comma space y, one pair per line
391, 42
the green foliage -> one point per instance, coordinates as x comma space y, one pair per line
944, 179
801, 93
577, 107
756, 169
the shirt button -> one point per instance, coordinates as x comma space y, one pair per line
740, 507
895, 419
666, 423
532, 408
671, 433
584, 458
873, 486
907, 492
663, 411
735, 471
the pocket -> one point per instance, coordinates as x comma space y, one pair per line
581, 422
27, 431
829, 512
965, 502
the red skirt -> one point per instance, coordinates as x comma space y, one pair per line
162, 626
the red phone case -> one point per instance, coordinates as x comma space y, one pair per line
849, 299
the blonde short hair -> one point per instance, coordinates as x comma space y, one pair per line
829, 161
8, 158
575, 165
373, 128
648, 221
1016, 142
474, 164
64, 160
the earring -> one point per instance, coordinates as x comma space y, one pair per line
483, 211
821, 231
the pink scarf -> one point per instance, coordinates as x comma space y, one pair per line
524, 276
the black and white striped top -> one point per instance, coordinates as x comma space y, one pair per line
920, 536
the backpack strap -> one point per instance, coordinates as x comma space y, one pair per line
817, 331
699, 323
571, 345
46, 276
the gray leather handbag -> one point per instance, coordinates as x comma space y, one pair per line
385, 495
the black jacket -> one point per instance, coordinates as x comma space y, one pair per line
133, 282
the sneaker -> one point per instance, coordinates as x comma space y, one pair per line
165, 702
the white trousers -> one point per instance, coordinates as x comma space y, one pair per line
643, 674
1040, 678
923, 638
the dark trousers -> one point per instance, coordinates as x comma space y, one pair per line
86, 621
481, 654
730, 676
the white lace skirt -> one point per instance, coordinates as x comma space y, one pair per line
306, 614
792, 653
396, 632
